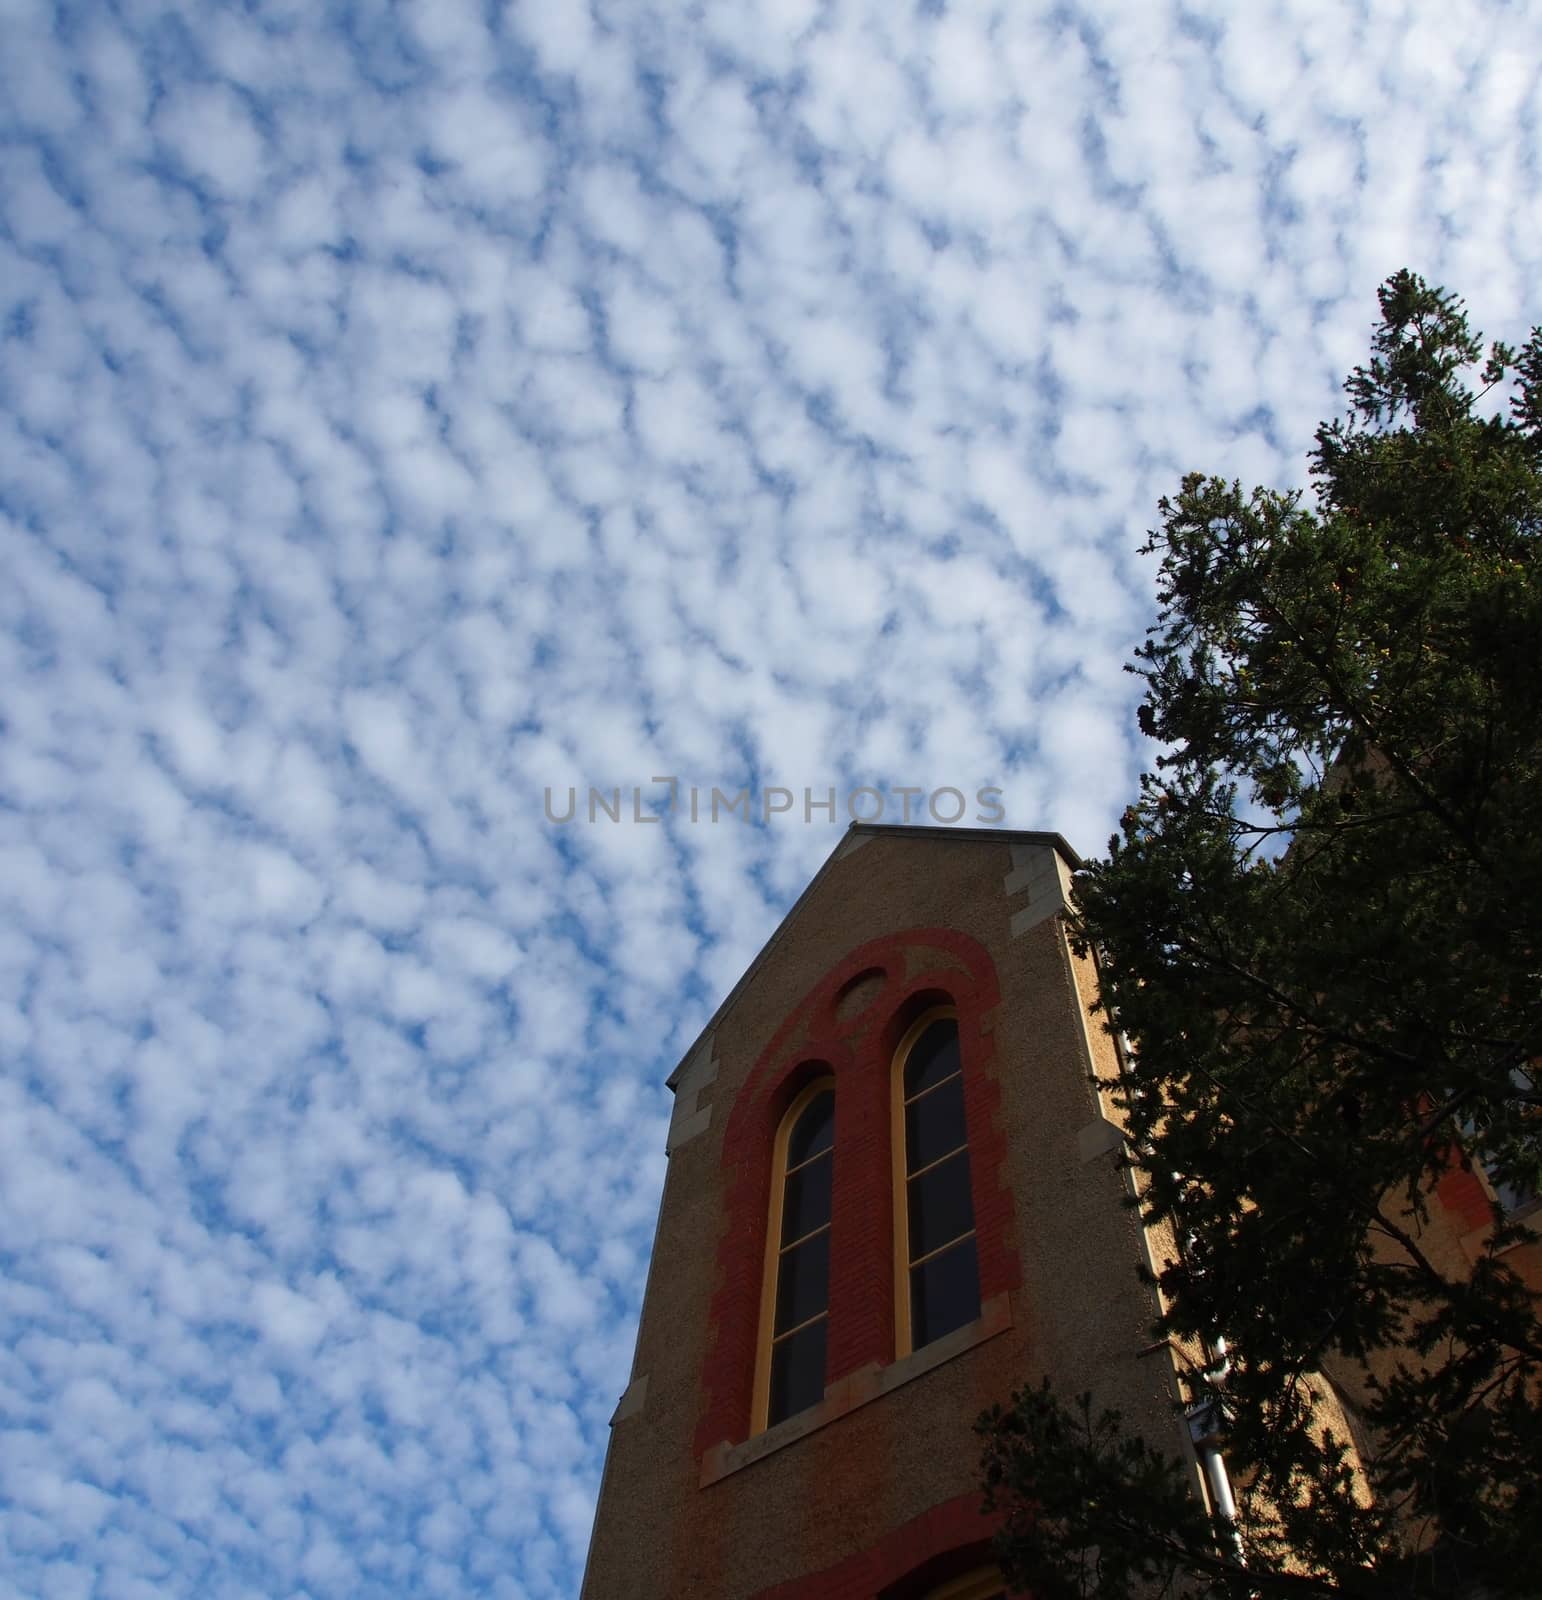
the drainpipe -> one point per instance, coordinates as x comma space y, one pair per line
1204, 1421
1220, 1362
1204, 1418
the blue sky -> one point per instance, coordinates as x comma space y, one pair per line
406, 409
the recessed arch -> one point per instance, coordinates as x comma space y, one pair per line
857, 995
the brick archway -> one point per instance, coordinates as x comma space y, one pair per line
949, 1538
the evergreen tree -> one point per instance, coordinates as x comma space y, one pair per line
1320, 930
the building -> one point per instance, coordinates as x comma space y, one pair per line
892, 1198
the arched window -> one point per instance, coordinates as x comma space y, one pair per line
937, 1273
796, 1298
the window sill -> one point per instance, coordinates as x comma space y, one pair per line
858, 1389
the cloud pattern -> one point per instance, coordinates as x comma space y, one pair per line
408, 408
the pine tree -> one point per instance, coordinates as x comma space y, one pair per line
1320, 928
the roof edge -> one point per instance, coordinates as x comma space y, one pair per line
913, 830
1055, 841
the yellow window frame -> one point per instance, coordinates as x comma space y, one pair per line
761, 1405
903, 1333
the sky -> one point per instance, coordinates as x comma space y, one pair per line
408, 412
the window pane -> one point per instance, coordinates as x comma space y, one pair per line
814, 1130
797, 1372
934, 1124
806, 1199
944, 1293
803, 1283
933, 1057
940, 1207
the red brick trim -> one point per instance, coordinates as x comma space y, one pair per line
944, 1542
856, 1052
1461, 1192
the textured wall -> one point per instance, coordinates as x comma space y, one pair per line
880, 1478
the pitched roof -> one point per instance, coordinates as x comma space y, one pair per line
844, 846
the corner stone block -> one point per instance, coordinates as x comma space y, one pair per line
1038, 872
690, 1118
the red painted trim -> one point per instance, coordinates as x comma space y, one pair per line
857, 1053
944, 1542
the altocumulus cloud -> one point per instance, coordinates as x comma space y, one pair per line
403, 409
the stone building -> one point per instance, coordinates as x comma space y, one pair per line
892, 1198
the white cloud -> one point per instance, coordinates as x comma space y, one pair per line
212, 135
398, 421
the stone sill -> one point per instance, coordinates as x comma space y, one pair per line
857, 1389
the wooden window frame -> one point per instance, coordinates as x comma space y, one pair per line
765, 1337
903, 1332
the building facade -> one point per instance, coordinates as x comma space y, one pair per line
892, 1199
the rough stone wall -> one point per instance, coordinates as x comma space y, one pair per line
848, 1497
